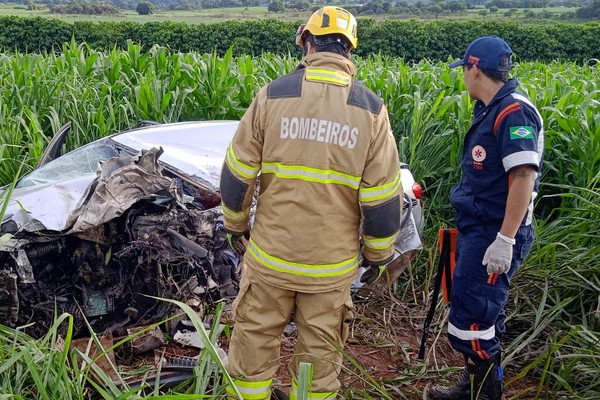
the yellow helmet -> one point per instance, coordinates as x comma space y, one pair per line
329, 20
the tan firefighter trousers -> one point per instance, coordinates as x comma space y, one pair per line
262, 311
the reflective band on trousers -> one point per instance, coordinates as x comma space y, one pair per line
379, 192
311, 395
236, 216
310, 174
289, 267
325, 75
260, 390
471, 335
379, 243
239, 167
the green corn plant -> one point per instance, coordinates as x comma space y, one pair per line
5, 197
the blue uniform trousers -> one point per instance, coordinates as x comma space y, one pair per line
477, 312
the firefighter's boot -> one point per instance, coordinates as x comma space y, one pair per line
481, 380
278, 394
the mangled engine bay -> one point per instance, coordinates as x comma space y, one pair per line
138, 235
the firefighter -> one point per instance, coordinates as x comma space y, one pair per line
501, 167
328, 163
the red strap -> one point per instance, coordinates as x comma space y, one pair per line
447, 237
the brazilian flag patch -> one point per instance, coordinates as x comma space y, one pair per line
521, 132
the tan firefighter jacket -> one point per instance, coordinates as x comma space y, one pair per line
328, 163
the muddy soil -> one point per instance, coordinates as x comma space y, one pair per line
383, 349
381, 355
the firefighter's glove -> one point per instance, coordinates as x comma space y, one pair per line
499, 255
372, 274
238, 242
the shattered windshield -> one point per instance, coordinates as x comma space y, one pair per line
82, 161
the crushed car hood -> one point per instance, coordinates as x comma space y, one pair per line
194, 151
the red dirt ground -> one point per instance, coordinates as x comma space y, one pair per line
384, 343
382, 351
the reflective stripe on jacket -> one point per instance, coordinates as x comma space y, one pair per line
328, 162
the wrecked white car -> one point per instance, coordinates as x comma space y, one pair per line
129, 215
98, 230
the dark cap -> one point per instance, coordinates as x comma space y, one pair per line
487, 52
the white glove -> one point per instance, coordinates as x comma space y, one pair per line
499, 255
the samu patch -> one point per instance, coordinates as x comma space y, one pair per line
521, 132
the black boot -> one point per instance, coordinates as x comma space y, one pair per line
492, 387
481, 380
278, 394
461, 391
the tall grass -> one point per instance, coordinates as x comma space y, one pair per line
50, 368
561, 288
553, 313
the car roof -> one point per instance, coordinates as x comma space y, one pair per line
198, 149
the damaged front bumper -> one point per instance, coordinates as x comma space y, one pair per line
136, 234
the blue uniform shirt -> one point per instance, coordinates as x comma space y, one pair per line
507, 133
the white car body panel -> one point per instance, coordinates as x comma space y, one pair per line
46, 206
198, 149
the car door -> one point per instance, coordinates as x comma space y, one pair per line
54, 148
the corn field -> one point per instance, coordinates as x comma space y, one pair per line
554, 308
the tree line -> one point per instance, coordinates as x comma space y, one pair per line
359, 7
409, 39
